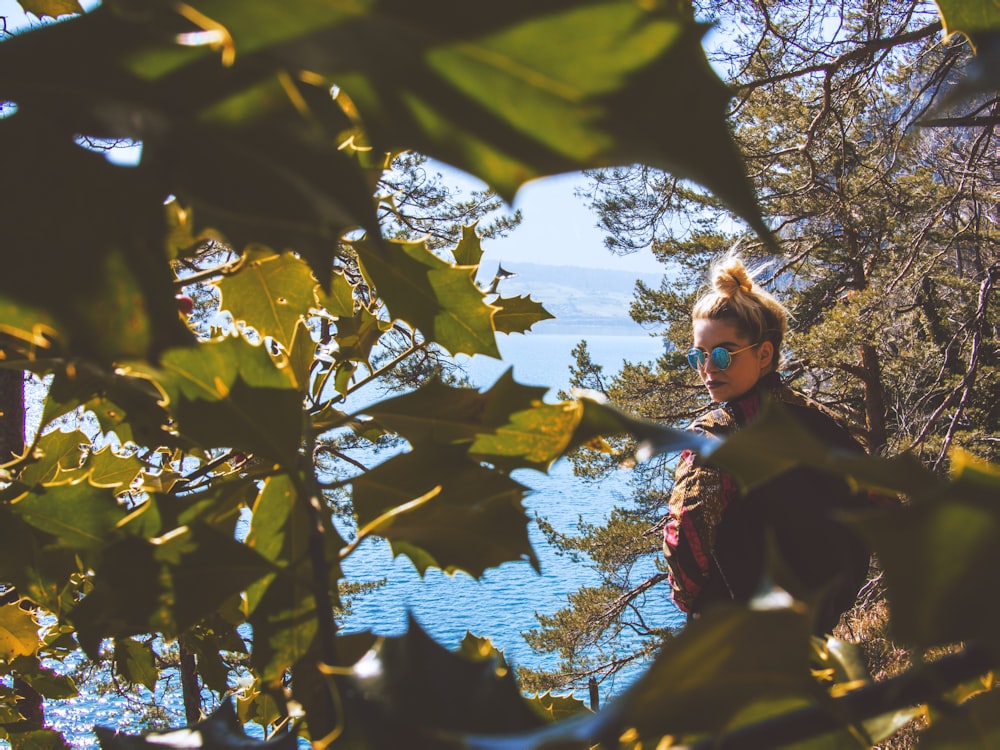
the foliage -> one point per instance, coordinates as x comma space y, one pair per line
264, 133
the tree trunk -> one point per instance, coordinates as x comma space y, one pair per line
189, 683
29, 701
874, 400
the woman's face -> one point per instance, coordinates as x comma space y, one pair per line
746, 367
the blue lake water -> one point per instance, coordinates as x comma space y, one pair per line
503, 603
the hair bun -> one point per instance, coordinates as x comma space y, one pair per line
731, 277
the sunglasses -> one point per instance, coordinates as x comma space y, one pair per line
721, 357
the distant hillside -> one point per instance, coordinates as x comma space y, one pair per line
584, 300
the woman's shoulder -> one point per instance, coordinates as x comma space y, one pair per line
819, 418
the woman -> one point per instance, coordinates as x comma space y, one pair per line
717, 540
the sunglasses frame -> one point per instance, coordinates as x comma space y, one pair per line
721, 357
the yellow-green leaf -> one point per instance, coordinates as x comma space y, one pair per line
270, 292
438, 298
18, 632
51, 8
518, 314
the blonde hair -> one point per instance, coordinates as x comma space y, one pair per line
734, 297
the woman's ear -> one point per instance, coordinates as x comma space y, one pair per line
765, 356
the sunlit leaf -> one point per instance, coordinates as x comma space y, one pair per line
128, 596
356, 337
971, 726
270, 292
230, 393
466, 695
445, 414
51, 8
469, 517
339, 300
18, 632
469, 250
438, 298
220, 731
282, 607
969, 17
486, 94
939, 553
518, 314
135, 662
80, 516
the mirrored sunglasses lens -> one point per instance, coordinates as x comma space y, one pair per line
696, 358
721, 357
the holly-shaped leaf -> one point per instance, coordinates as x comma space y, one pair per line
270, 292
129, 596
282, 607
206, 569
776, 442
518, 314
80, 516
51, 8
135, 661
469, 250
438, 298
445, 414
939, 553
31, 562
220, 731
413, 689
969, 17
630, 83
339, 299
47, 682
356, 337
442, 510
230, 393
18, 632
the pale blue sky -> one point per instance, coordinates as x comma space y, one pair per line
557, 227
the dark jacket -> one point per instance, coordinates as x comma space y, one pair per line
716, 538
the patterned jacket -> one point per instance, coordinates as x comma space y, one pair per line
715, 537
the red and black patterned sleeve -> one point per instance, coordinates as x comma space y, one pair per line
697, 502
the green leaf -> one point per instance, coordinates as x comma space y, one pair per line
339, 300
134, 660
221, 730
438, 298
442, 510
970, 726
469, 250
51, 8
112, 297
413, 688
51, 685
207, 568
37, 568
776, 442
939, 553
270, 292
230, 393
79, 516
555, 708
356, 337
282, 608
969, 17
18, 632
518, 314
443, 414
725, 660
630, 83
129, 596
